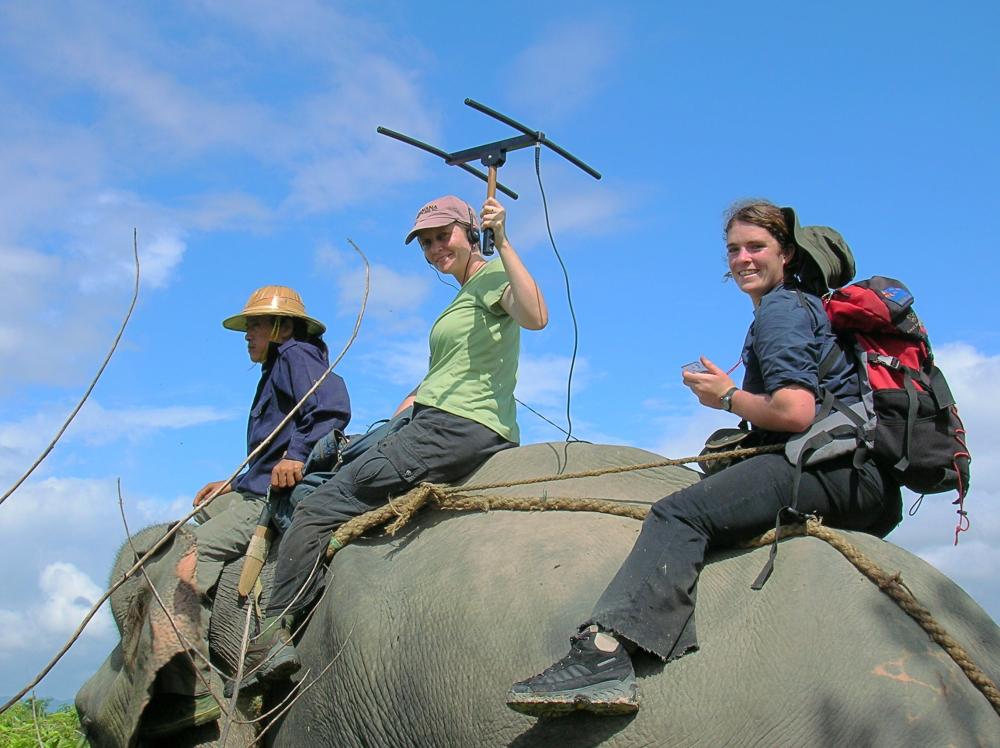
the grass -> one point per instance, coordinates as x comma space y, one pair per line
20, 727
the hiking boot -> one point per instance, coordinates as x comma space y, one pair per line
271, 658
588, 678
169, 713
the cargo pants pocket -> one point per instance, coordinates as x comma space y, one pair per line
391, 468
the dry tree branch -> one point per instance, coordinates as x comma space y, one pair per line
34, 718
239, 677
173, 624
302, 691
93, 382
301, 626
277, 707
173, 530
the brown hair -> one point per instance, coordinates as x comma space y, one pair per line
769, 217
761, 213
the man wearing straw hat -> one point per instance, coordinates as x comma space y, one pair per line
288, 345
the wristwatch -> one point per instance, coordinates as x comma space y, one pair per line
727, 399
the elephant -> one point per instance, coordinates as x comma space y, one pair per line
111, 703
418, 636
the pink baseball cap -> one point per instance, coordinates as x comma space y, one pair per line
441, 212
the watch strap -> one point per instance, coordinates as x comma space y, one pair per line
727, 399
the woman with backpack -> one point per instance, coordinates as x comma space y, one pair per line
463, 412
649, 605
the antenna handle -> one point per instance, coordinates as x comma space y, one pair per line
491, 191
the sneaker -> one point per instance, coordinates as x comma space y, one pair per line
587, 678
269, 659
171, 713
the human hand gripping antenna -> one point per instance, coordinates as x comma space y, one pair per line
492, 156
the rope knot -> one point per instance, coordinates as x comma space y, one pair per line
412, 502
889, 581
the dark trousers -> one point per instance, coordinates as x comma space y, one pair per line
435, 446
651, 599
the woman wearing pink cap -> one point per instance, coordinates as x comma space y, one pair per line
463, 411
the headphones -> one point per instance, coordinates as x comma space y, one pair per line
471, 231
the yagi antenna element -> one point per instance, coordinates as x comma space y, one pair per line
492, 156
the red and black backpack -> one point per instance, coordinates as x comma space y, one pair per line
919, 437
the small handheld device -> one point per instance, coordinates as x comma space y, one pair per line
695, 367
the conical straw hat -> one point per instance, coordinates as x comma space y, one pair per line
279, 301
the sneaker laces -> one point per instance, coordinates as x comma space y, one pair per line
575, 652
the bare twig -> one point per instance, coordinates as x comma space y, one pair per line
188, 647
300, 627
277, 707
93, 382
34, 718
239, 677
174, 530
304, 689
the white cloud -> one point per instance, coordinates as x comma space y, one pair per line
685, 434
227, 210
579, 206
68, 595
98, 425
65, 595
21, 441
541, 380
564, 70
393, 298
966, 369
42, 526
399, 362
50, 164
121, 56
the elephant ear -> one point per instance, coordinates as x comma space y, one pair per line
111, 703
128, 602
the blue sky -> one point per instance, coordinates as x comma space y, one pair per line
239, 139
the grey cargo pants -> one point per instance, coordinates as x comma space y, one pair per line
435, 446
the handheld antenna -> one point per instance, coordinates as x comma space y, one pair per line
492, 156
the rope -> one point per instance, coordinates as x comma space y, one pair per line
892, 585
401, 510
398, 512
738, 454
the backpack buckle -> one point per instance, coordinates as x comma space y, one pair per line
890, 362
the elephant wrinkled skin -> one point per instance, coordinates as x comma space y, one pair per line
427, 630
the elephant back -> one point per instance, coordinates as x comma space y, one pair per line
557, 459
424, 632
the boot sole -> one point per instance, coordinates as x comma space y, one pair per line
611, 700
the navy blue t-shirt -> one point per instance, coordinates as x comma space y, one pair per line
789, 337
290, 370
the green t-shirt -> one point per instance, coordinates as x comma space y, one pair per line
474, 351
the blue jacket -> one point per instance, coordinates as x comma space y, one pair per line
290, 370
